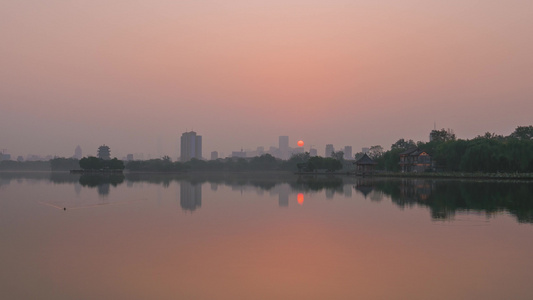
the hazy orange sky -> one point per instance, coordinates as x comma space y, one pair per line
136, 74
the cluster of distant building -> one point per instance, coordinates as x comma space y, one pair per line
191, 193
29, 157
283, 151
191, 147
34, 157
412, 160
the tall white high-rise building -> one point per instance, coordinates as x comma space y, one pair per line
191, 146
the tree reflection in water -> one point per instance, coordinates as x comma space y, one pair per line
445, 198
101, 181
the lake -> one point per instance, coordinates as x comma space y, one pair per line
263, 236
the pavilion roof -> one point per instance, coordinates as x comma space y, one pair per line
415, 151
365, 160
410, 151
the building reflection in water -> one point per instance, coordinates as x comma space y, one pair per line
444, 198
347, 190
376, 195
190, 196
283, 196
417, 190
364, 186
77, 188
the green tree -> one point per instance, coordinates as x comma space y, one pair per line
375, 152
523, 133
441, 135
389, 161
114, 164
449, 155
358, 155
489, 136
331, 164
264, 162
403, 144
292, 163
338, 155
91, 163
156, 165
196, 164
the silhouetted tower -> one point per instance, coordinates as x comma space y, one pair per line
214, 155
104, 152
348, 152
191, 146
329, 150
284, 147
77, 153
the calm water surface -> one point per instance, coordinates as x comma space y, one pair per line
252, 236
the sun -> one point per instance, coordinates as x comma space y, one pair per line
300, 143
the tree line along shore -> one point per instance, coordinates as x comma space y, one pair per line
487, 155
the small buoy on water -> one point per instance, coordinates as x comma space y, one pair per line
64, 208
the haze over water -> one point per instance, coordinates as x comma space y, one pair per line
136, 75
263, 237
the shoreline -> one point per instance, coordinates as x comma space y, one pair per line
102, 171
432, 175
435, 175
459, 175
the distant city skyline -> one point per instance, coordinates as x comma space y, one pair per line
186, 142
191, 143
243, 73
